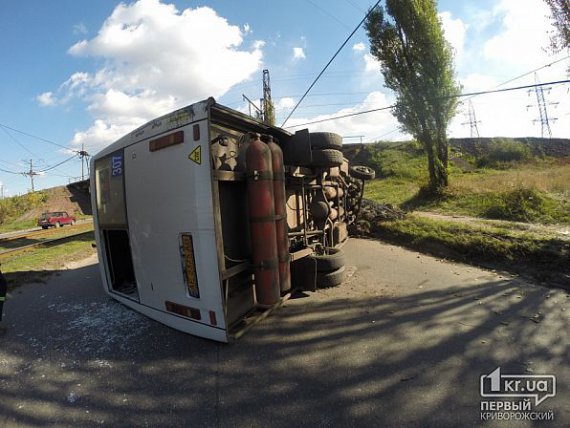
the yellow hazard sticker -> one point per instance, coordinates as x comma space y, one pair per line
196, 155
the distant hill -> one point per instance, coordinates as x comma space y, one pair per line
73, 198
554, 147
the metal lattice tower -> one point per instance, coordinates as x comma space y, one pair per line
542, 105
472, 121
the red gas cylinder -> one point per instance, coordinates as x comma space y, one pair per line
261, 207
280, 213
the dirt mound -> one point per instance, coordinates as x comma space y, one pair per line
73, 198
371, 213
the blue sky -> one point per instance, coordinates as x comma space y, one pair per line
85, 73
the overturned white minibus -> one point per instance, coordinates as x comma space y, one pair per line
207, 219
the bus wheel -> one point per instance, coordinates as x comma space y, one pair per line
327, 158
332, 259
330, 279
325, 140
362, 172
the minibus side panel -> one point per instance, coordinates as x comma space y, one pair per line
171, 227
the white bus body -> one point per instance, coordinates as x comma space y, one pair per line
171, 225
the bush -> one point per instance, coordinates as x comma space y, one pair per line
504, 151
16, 206
406, 162
520, 205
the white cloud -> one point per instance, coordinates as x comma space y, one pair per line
102, 132
285, 103
359, 47
476, 82
80, 29
371, 126
372, 64
524, 33
156, 58
454, 30
298, 53
46, 99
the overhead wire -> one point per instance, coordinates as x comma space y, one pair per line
45, 140
330, 61
15, 140
55, 166
326, 12
469, 94
10, 172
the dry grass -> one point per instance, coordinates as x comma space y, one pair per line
553, 179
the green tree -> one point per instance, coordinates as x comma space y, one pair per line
560, 9
417, 63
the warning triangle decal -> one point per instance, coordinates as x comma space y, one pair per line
196, 155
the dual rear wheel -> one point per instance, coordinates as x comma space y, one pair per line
330, 267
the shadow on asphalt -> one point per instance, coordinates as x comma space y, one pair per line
74, 356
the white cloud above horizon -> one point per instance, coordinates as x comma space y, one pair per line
299, 53
454, 30
359, 47
151, 51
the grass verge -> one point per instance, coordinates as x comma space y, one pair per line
544, 257
37, 264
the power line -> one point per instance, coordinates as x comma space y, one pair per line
469, 94
10, 172
326, 12
330, 61
36, 137
344, 116
55, 166
14, 139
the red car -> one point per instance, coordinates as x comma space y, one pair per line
55, 219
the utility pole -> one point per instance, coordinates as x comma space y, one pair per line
1, 191
542, 105
31, 173
472, 121
83, 155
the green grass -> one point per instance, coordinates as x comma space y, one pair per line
18, 225
537, 190
531, 190
520, 251
35, 265
395, 191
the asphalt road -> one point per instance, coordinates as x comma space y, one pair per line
403, 343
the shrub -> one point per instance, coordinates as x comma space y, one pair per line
519, 205
504, 151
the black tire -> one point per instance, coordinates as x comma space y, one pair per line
362, 172
44, 227
330, 279
58, 224
327, 158
334, 260
325, 140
